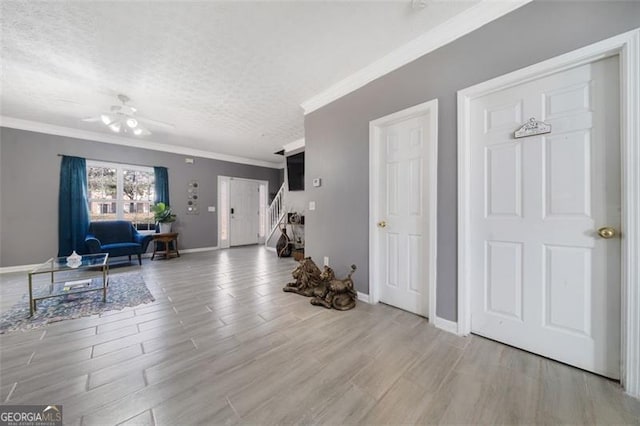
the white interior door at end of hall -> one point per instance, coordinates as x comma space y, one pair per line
244, 203
403, 242
546, 281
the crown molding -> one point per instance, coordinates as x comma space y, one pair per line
292, 146
456, 27
34, 126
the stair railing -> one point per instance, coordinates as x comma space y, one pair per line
275, 212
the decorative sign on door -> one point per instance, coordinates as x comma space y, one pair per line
531, 128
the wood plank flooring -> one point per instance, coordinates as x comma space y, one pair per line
222, 344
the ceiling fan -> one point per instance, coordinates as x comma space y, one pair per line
123, 119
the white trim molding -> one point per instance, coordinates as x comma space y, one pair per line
50, 129
292, 146
363, 297
464, 23
198, 249
429, 108
627, 47
445, 324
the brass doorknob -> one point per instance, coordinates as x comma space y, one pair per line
382, 224
607, 232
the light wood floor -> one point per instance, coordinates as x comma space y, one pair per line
223, 344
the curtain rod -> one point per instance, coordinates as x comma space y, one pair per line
106, 161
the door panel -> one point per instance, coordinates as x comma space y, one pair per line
503, 187
546, 281
504, 279
568, 189
567, 275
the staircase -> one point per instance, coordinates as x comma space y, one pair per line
275, 213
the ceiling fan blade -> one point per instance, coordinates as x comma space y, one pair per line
105, 117
91, 119
68, 101
155, 122
139, 131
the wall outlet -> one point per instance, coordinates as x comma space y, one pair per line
211, 209
326, 261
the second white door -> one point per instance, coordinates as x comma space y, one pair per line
403, 233
244, 212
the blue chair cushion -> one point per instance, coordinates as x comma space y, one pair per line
121, 249
116, 237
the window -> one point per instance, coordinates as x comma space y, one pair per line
120, 191
262, 232
223, 205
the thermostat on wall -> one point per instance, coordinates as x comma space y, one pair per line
317, 182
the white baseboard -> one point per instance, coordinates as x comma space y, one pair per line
198, 250
363, 297
18, 268
446, 325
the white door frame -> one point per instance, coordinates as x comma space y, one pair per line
627, 47
225, 243
375, 162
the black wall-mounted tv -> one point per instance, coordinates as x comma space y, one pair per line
295, 172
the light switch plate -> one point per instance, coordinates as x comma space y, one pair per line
312, 205
211, 209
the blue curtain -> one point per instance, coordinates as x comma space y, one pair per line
162, 184
73, 208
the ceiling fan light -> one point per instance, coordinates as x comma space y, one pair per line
115, 127
137, 131
105, 119
132, 122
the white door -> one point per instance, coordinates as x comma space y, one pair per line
543, 278
244, 212
402, 215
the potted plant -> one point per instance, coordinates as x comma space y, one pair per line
164, 216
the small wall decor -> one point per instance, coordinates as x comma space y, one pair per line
192, 198
531, 128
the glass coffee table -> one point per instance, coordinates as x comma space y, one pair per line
80, 278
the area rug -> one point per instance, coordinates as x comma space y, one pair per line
124, 290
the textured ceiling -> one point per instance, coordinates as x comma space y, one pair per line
230, 75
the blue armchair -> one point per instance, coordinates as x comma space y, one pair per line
116, 237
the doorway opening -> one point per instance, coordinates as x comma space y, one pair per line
242, 211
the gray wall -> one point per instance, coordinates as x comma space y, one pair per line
337, 135
29, 180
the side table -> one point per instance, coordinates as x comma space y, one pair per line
167, 239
